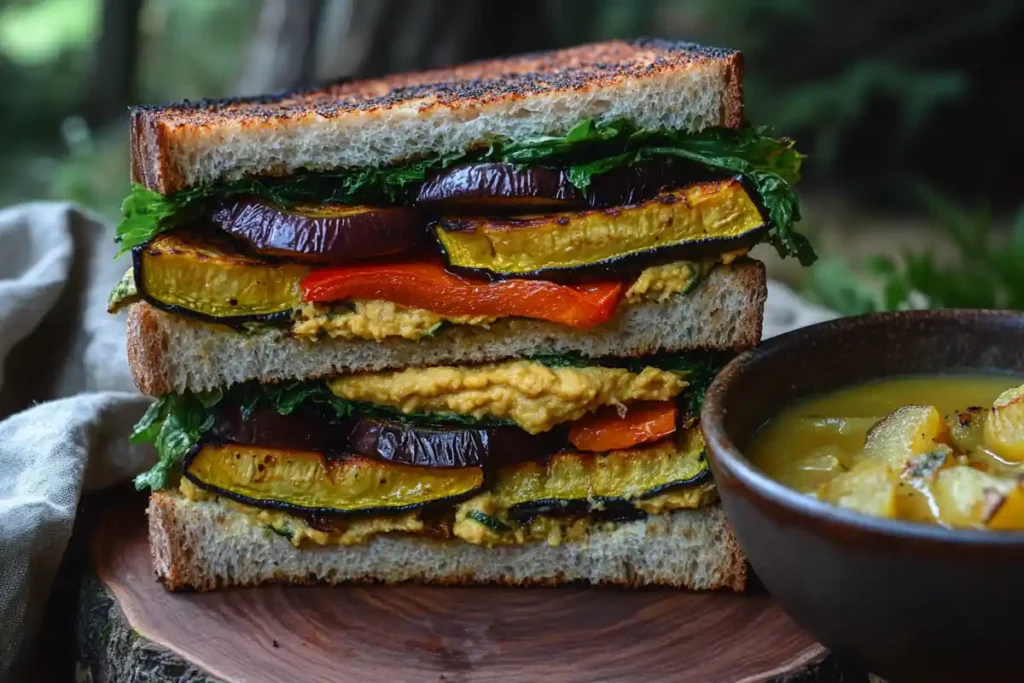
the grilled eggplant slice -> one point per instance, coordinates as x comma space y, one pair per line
307, 482
687, 223
504, 187
327, 233
450, 446
575, 481
265, 427
184, 274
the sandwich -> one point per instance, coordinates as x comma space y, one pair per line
452, 326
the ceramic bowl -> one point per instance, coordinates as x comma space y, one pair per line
906, 601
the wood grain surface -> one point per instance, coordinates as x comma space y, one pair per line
423, 633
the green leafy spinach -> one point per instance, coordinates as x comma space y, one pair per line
174, 423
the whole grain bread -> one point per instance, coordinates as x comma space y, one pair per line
377, 122
205, 545
168, 352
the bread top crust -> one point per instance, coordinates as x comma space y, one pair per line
164, 139
596, 65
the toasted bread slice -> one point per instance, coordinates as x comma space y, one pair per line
382, 121
168, 352
205, 545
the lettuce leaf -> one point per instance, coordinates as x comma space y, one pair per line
175, 423
771, 166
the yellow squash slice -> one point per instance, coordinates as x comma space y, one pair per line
304, 481
181, 271
619, 475
709, 217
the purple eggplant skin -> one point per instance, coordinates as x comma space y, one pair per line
450, 446
330, 234
301, 430
502, 187
383, 439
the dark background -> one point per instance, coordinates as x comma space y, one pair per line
911, 112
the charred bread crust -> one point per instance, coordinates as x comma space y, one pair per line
173, 559
168, 352
147, 342
615, 66
177, 543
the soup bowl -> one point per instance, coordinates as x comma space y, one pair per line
905, 601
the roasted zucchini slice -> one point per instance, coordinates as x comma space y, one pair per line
532, 501
182, 273
579, 482
308, 482
694, 221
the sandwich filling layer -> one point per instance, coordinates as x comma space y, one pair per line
524, 450
205, 282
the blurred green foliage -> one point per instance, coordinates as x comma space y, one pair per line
986, 269
830, 107
37, 33
188, 49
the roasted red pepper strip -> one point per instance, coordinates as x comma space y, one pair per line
428, 286
605, 430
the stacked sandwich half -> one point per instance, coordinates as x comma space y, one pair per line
451, 326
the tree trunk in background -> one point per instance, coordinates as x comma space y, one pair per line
365, 38
282, 52
352, 33
112, 83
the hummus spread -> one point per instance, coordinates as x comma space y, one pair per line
373, 319
341, 532
658, 283
379, 320
532, 395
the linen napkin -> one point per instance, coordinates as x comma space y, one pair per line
57, 344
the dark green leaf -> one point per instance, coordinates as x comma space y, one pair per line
286, 397
210, 398
179, 423
492, 523
149, 426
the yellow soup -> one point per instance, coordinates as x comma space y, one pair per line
943, 449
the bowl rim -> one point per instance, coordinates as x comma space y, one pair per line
722, 449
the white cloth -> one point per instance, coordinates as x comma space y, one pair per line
785, 311
58, 344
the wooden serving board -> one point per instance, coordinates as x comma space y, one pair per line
131, 628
